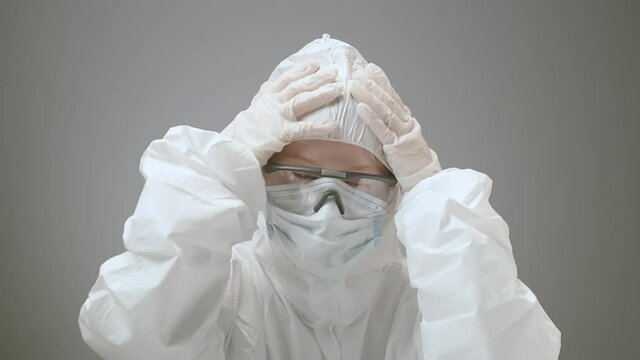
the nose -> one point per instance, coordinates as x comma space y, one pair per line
330, 194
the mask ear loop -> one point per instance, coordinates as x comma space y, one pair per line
325, 196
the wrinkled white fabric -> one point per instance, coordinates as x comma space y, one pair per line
346, 60
201, 279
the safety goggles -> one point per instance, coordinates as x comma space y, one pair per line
380, 186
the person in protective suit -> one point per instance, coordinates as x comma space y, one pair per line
318, 225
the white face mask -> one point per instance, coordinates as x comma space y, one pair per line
326, 242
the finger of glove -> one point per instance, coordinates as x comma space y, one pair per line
308, 83
298, 72
309, 130
363, 95
308, 101
375, 123
375, 73
397, 108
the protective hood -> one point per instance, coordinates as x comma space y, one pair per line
345, 59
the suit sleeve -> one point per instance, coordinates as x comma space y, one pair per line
459, 256
163, 297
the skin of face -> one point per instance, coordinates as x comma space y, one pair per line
330, 155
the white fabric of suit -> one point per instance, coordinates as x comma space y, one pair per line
202, 279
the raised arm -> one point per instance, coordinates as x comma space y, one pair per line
459, 257
162, 298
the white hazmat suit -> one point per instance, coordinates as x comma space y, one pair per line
204, 277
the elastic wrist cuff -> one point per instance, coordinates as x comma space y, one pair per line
408, 182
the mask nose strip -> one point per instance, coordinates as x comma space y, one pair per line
330, 193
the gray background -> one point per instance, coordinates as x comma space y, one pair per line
541, 95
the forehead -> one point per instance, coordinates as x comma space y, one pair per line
330, 155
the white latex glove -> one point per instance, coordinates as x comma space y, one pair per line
270, 122
381, 108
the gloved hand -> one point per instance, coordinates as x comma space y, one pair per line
381, 108
270, 122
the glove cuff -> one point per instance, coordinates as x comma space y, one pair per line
409, 181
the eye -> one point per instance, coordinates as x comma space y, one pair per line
352, 183
303, 176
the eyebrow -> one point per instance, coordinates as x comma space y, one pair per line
371, 169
